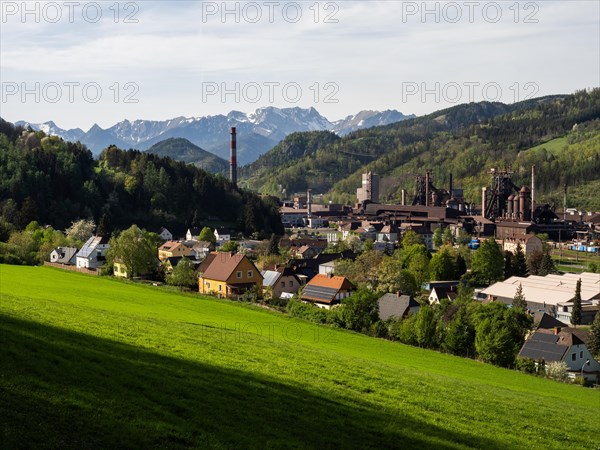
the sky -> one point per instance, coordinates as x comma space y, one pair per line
81, 63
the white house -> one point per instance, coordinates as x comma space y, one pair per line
562, 345
93, 252
192, 234
222, 235
165, 234
64, 255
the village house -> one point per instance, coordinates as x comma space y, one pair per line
562, 345
64, 255
93, 253
282, 281
397, 305
229, 275
119, 269
222, 235
173, 248
441, 290
193, 233
326, 291
165, 234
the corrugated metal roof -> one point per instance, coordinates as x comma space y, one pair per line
270, 277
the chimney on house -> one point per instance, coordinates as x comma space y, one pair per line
557, 330
233, 157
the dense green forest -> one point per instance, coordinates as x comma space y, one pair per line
181, 149
55, 182
466, 141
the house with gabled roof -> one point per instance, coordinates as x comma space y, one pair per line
562, 345
326, 291
229, 275
93, 253
64, 255
165, 234
193, 233
282, 281
222, 235
397, 305
172, 249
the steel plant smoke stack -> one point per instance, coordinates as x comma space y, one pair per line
427, 201
450, 187
532, 190
233, 157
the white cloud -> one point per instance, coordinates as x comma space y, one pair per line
369, 52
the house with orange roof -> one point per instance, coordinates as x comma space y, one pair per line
326, 291
229, 275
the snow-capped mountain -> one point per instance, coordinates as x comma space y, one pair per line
51, 129
257, 132
368, 119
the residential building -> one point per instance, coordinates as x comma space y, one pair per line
562, 345
93, 253
64, 255
284, 283
165, 234
193, 233
397, 305
326, 291
119, 269
229, 275
174, 248
222, 235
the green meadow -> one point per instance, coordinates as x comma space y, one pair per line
91, 362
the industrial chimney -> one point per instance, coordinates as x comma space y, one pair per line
233, 157
450, 187
427, 200
532, 192
309, 203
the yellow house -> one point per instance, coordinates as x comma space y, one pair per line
229, 275
119, 269
173, 248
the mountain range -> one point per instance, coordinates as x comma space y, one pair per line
257, 132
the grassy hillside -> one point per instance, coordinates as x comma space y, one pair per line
93, 362
181, 149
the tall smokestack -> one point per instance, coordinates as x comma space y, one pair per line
565, 204
483, 205
233, 157
309, 203
403, 197
450, 187
427, 188
532, 191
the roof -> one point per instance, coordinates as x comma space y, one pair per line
169, 245
223, 265
206, 262
91, 245
543, 346
550, 289
195, 231
394, 305
270, 277
546, 321
324, 288
65, 254
222, 230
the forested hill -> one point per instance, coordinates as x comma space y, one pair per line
181, 149
465, 140
55, 182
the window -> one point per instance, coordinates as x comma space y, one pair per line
250, 274
220, 287
207, 285
238, 274
581, 354
291, 283
283, 284
574, 357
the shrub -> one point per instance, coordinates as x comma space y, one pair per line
557, 370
